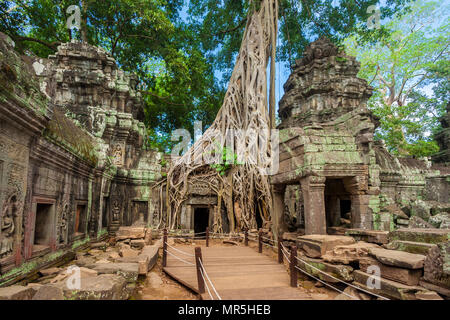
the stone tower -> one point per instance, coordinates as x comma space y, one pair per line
326, 141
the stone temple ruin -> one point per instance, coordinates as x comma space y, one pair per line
74, 171
73, 165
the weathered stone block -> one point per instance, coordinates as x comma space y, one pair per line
388, 288
317, 245
17, 293
130, 233
349, 253
410, 246
49, 292
405, 276
129, 271
399, 259
102, 287
372, 236
420, 235
311, 265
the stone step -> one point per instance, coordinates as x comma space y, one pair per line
420, 235
410, 246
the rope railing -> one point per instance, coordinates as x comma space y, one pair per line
342, 281
209, 280
181, 259
283, 251
327, 284
182, 252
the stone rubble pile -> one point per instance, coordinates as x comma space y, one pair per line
106, 272
412, 263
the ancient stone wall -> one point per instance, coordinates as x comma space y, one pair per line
72, 164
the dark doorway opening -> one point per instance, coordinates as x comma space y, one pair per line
346, 208
80, 220
43, 226
201, 219
105, 218
337, 203
259, 220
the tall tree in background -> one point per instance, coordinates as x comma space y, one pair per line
220, 25
409, 68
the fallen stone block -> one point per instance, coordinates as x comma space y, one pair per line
50, 271
420, 235
49, 292
152, 253
129, 271
315, 245
371, 236
17, 293
99, 245
137, 244
437, 265
430, 286
410, 246
83, 272
388, 288
397, 258
405, 276
352, 294
349, 253
290, 236
102, 287
126, 253
416, 222
130, 233
310, 265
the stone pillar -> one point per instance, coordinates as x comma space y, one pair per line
313, 188
278, 209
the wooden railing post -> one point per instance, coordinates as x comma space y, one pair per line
200, 280
246, 237
260, 241
280, 252
164, 257
292, 267
207, 237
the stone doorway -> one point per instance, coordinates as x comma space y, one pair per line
105, 212
338, 205
201, 219
44, 225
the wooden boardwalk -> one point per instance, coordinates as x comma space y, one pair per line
238, 273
